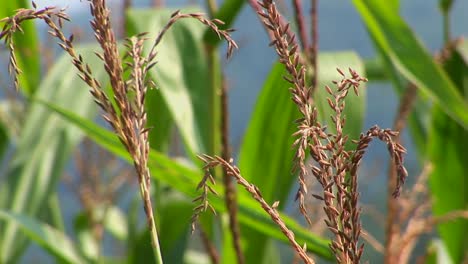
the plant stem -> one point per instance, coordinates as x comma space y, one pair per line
299, 17
209, 247
212, 7
446, 26
230, 188
314, 46
392, 228
146, 194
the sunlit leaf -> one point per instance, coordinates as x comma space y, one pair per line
396, 41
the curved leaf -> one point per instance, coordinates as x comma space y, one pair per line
266, 155
396, 41
52, 240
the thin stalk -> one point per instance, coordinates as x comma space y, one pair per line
391, 226
212, 7
222, 102
314, 46
230, 188
209, 247
301, 28
146, 194
214, 145
446, 26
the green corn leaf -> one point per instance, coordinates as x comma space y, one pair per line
395, 40
50, 239
447, 151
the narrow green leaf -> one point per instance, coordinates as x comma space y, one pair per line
396, 40
44, 146
185, 180
375, 69
50, 239
55, 213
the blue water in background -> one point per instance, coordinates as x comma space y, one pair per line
340, 28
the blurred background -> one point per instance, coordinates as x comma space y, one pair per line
340, 29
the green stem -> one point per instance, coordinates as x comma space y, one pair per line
212, 7
145, 193
214, 147
446, 22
